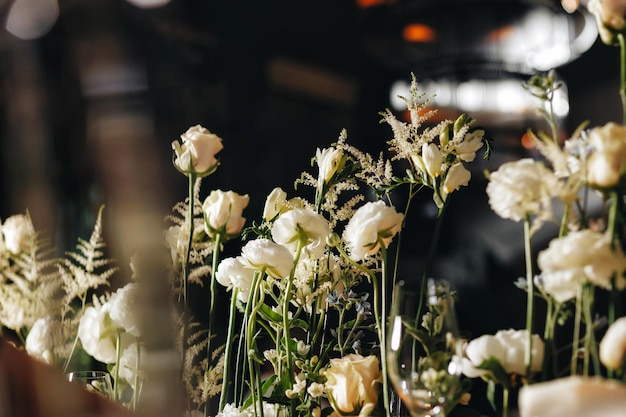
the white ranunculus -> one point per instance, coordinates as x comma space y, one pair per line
98, 334
613, 345
302, 226
275, 203
196, 153
232, 272
230, 410
124, 308
609, 16
129, 364
520, 188
433, 159
580, 256
223, 212
573, 396
19, 233
329, 160
352, 384
263, 254
372, 223
607, 162
40, 342
508, 347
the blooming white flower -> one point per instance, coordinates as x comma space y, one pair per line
329, 160
98, 334
508, 347
433, 159
19, 233
230, 410
521, 188
232, 272
315, 390
129, 369
41, 341
124, 308
613, 345
607, 162
275, 203
197, 152
578, 257
373, 223
302, 227
609, 16
469, 145
352, 384
223, 212
456, 177
263, 254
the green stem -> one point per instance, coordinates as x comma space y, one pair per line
591, 353
228, 350
530, 289
380, 299
254, 300
505, 402
136, 376
217, 239
116, 373
185, 270
576, 334
69, 358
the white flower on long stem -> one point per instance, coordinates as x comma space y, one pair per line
19, 233
223, 213
456, 177
329, 160
196, 153
613, 345
433, 159
130, 361
275, 204
263, 254
302, 227
522, 188
98, 333
373, 223
609, 16
124, 306
576, 258
232, 273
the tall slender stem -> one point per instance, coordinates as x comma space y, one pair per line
530, 296
185, 270
228, 350
217, 240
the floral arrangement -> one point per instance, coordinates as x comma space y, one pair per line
309, 292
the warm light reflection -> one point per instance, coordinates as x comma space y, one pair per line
417, 32
364, 4
570, 6
32, 19
148, 4
527, 141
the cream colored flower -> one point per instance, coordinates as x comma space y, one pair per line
352, 384
579, 257
263, 254
609, 16
302, 227
196, 153
232, 272
522, 188
41, 340
508, 347
471, 143
275, 204
456, 177
223, 213
607, 162
329, 161
613, 345
129, 366
433, 159
373, 223
124, 308
98, 334
19, 233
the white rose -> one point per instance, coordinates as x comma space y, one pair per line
609, 16
123, 308
197, 152
302, 226
223, 212
275, 203
40, 341
98, 334
19, 233
352, 384
263, 254
578, 257
372, 223
520, 188
613, 345
329, 160
607, 161
508, 347
232, 272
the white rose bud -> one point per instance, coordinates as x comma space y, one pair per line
19, 233
352, 384
223, 213
196, 153
613, 345
607, 161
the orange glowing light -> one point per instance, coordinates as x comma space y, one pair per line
364, 4
527, 141
417, 32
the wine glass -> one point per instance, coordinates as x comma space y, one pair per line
95, 381
424, 348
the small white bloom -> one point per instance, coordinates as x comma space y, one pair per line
433, 159
607, 162
373, 223
275, 203
329, 160
232, 272
302, 347
41, 341
613, 345
471, 143
456, 177
302, 226
19, 233
197, 152
223, 212
315, 390
263, 254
